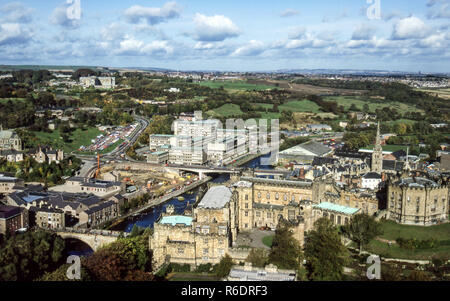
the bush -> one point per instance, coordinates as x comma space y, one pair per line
175, 267
412, 243
204, 268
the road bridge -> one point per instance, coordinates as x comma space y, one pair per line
95, 239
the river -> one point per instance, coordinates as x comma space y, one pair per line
148, 219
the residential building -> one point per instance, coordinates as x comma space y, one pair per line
10, 184
158, 157
47, 154
12, 219
156, 141
97, 187
11, 155
371, 180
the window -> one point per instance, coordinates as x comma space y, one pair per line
180, 251
269, 215
205, 241
293, 198
205, 251
258, 214
246, 205
246, 213
259, 195
246, 225
276, 196
285, 197
246, 197
268, 196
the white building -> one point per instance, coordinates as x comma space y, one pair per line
371, 180
187, 156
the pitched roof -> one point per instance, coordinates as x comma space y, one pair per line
216, 197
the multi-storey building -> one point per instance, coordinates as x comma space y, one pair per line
156, 141
47, 154
417, 201
204, 237
9, 184
12, 219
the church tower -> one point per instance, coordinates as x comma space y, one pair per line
377, 156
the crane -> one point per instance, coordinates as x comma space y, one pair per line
98, 166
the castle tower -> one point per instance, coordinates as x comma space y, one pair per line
377, 156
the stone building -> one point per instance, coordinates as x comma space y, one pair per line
204, 237
10, 184
10, 140
47, 217
417, 201
12, 219
11, 155
47, 154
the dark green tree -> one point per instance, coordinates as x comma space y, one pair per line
258, 258
286, 252
325, 254
362, 229
224, 267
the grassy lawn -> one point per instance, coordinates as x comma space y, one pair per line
359, 102
235, 85
5, 100
300, 106
392, 231
226, 110
268, 240
78, 137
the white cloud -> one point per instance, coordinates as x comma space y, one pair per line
289, 13
363, 32
439, 10
323, 40
133, 47
112, 32
216, 28
297, 33
16, 12
153, 15
13, 34
435, 41
410, 28
253, 48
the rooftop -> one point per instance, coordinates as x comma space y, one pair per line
216, 198
337, 208
310, 148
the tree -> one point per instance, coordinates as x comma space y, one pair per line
324, 251
224, 267
258, 258
362, 229
286, 252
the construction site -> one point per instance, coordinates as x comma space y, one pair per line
142, 178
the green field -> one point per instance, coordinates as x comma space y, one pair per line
235, 85
392, 231
226, 110
268, 240
78, 137
306, 106
359, 102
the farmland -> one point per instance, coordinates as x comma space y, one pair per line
235, 85
359, 102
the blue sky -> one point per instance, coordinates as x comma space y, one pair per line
245, 35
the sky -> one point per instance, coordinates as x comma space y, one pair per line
229, 35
